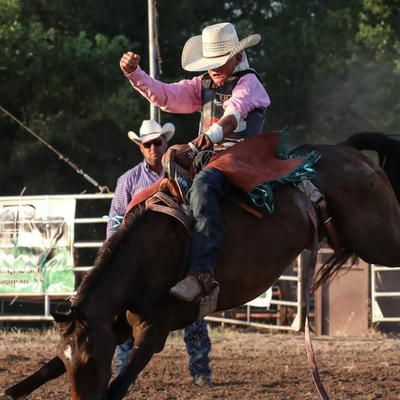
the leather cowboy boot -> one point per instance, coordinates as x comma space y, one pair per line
195, 284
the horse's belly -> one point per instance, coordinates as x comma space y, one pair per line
255, 252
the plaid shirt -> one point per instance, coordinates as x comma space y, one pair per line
130, 183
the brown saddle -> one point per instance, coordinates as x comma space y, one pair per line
167, 204
246, 164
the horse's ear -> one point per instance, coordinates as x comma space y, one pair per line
78, 314
61, 317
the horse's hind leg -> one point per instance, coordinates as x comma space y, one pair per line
51, 370
149, 339
369, 217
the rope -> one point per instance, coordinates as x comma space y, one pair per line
262, 194
60, 155
117, 219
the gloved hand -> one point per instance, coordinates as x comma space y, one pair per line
184, 154
202, 142
177, 154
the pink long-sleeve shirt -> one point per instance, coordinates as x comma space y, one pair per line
184, 97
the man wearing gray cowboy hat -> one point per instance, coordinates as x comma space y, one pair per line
153, 142
232, 102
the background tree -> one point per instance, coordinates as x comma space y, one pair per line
330, 67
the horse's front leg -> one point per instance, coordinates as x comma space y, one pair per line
51, 370
150, 338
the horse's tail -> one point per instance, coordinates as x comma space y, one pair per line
388, 150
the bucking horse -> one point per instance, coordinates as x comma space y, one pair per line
127, 291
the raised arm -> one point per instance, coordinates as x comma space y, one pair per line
183, 97
129, 62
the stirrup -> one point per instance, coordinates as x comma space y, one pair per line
187, 289
195, 284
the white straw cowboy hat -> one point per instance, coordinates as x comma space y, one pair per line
214, 47
151, 130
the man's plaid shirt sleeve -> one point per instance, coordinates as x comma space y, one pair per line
129, 184
122, 197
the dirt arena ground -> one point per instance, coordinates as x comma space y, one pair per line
246, 365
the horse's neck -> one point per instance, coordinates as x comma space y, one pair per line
104, 302
140, 270
107, 293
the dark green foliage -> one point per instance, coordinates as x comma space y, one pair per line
330, 67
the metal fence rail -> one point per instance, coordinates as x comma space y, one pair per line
46, 299
378, 295
83, 245
294, 326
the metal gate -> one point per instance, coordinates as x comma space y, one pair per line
385, 294
295, 304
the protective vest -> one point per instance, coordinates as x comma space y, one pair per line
212, 110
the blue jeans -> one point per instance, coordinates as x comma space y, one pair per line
123, 351
198, 346
203, 196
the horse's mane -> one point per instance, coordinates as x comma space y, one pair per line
75, 322
107, 251
68, 327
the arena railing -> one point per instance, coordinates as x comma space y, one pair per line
385, 299
81, 245
86, 245
270, 314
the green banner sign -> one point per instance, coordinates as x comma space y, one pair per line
36, 246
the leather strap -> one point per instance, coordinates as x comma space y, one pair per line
163, 197
244, 206
171, 208
313, 363
319, 201
168, 185
307, 278
330, 229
